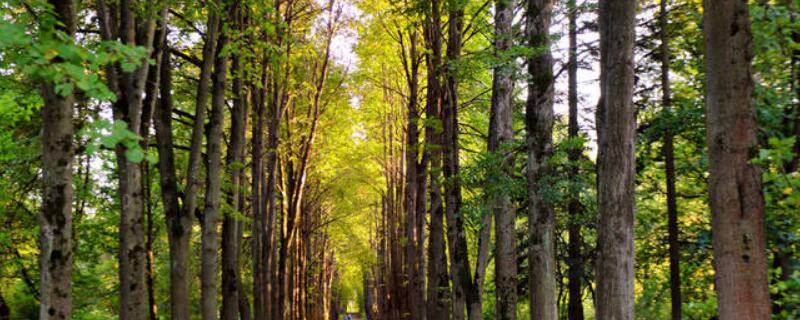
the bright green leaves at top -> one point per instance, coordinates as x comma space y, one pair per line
45, 53
107, 134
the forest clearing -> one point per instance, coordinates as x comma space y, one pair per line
400, 159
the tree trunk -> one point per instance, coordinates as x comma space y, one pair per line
669, 163
616, 125
129, 87
575, 256
179, 217
201, 104
231, 224
179, 223
539, 124
262, 300
415, 195
465, 293
438, 282
279, 97
500, 134
210, 219
55, 222
574, 208
735, 195
148, 109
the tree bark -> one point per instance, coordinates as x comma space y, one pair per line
55, 222
669, 164
129, 29
574, 208
465, 293
280, 94
735, 194
262, 300
231, 224
539, 124
179, 223
148, 109
416, 183
501, 133
438, 282
210, 219
179, 215
616, 125
201, 104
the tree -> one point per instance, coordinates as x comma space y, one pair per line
500, 135
574, 208
130, 29
735, 194
438, 281
539, 124
180, 207
55, 233
210, 217
232, 226
616, 125
465, 292
415, 175
669, 164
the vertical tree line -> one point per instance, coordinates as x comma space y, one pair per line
288, 180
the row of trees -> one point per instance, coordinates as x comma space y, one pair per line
241, 75
237, 147
420, 169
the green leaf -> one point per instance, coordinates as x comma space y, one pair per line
134, 155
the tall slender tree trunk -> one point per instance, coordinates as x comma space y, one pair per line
539, 124
279, 97
55, 222
415, 188
179, 223
179, 213
151, 101
616, 124
669, 163
210, 243
735, 195
262, 300
438, 282
129, 86
231, 224
500, 134
148, 108
465, 293
574, 208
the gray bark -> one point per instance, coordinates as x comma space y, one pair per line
179, 223
129, 29
210, 220
616, 125
55, 221
539, 124
501, 133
